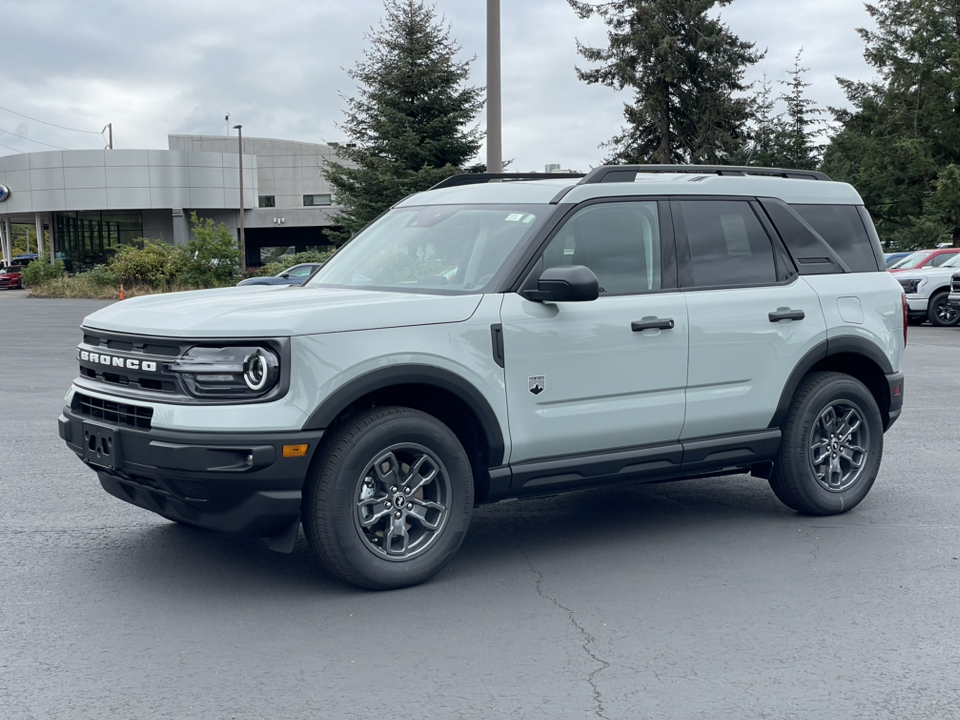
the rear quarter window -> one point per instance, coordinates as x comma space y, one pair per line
843, 229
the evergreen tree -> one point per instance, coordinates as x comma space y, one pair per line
410, 124
686, 71
899, 143
802, 125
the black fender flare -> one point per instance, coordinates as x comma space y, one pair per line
431, 375
832, 346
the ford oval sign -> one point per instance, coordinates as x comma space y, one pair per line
4, 192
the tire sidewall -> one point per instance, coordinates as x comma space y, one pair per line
938, 299
339, 480
851, 391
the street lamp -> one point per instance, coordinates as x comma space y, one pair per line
243, 240
494, 132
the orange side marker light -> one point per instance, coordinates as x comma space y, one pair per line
295, 451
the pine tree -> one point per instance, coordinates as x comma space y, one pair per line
899, 143
686, 71
410, 124
802, 125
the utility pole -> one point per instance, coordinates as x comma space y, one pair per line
108, 126
494, 130
243, 240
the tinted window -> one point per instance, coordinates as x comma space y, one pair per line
619, 242
842, 228
940, 259
728, 245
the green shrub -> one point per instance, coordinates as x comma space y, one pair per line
212, 257
40, 271
157, 264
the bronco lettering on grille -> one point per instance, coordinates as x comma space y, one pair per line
113, 361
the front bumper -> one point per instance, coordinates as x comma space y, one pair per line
954, 299
917, 306
235, 482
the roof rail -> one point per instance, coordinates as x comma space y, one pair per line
628, 173
480, 178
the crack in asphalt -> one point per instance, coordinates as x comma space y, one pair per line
588, 638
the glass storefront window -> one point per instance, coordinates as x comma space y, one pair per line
85, 239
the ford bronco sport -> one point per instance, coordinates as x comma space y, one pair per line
492, 340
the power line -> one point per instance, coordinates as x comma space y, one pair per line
24, 137
91, 132
11, 148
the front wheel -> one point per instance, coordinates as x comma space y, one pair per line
831, 447
941, 313
390, 500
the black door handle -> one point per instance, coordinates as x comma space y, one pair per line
654, 324
786, 314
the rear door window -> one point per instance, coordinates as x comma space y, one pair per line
727, 244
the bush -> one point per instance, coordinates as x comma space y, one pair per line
40, 271
157, 264
212, 256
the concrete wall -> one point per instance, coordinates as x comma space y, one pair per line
158, 224
76, 180
286, 169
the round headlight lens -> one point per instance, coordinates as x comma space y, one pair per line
259, 370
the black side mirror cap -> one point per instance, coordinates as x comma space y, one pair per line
566, 283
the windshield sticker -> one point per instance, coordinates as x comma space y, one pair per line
515, 217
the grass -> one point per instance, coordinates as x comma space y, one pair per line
82, 286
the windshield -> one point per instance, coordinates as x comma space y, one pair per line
912, 261
448, 249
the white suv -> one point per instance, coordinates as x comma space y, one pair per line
928, 293
493, 340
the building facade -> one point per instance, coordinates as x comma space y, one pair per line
88, 202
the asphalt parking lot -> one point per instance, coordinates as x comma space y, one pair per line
700, 599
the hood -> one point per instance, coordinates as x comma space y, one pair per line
927, 272
265, 311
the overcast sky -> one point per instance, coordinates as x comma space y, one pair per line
278, 67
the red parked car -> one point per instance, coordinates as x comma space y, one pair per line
924, 258
11, 277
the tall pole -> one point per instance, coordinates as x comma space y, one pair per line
494, 134
110, 125
243, 240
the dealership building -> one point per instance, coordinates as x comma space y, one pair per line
87, 202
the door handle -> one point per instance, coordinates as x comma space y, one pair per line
786, 314
652, 324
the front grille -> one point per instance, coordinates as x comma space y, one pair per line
134, 416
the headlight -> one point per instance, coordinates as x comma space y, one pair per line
910, 286
228, 372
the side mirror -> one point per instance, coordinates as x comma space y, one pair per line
285, 275
567, 283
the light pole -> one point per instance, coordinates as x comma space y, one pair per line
494, 134
243, 240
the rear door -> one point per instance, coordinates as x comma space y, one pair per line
752, 318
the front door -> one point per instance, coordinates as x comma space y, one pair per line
590, 377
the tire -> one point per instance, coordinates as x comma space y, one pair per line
806, 477
940, 313
351, 497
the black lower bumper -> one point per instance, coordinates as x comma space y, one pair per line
895, 382
236, 483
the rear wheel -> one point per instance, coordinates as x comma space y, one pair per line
941, 313
390, 500
831, 447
